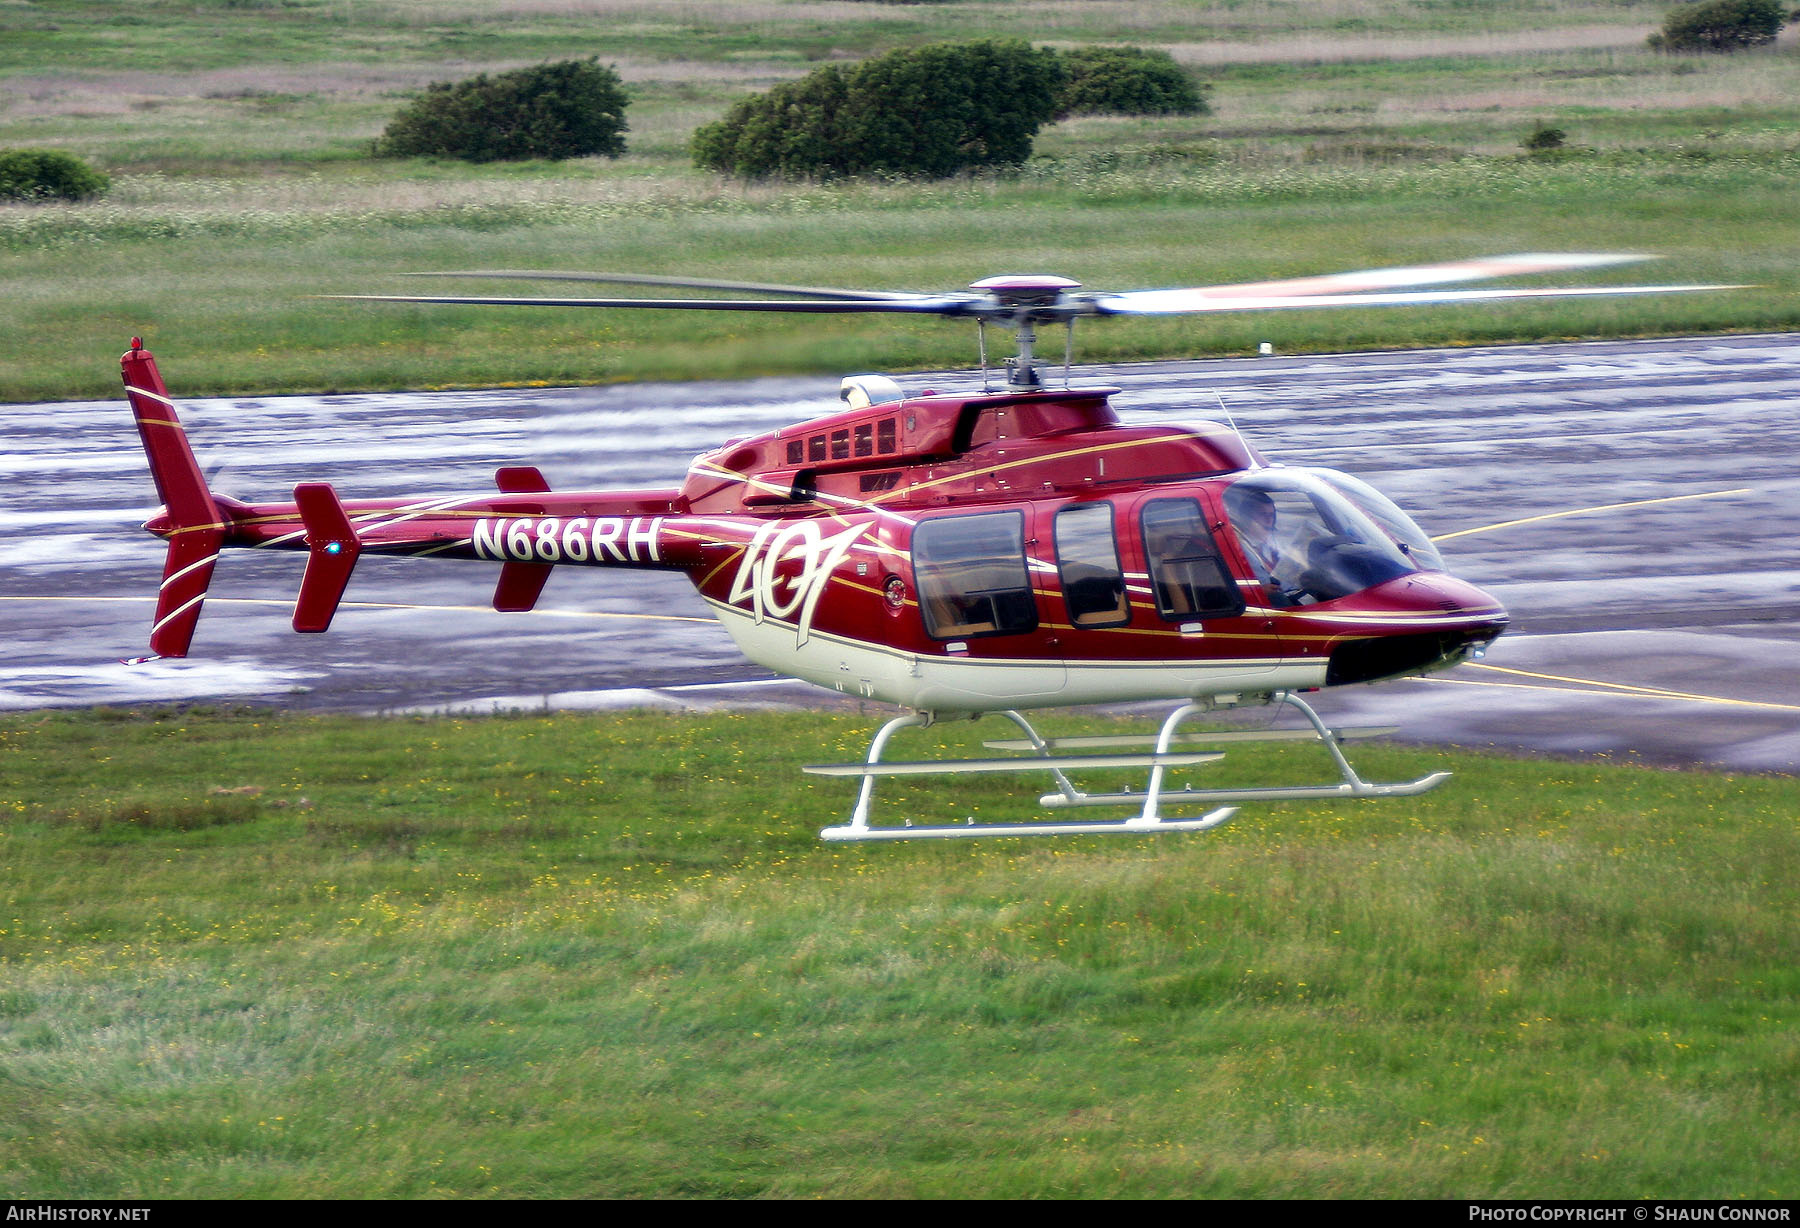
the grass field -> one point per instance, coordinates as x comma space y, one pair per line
253, 955
1344, 134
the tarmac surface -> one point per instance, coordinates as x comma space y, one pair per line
1634, 504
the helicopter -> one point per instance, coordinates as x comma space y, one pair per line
956, 554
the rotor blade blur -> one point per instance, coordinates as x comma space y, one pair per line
1413, 275
689, 283
1172, 302
918, 305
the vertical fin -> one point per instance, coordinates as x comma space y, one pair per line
186, 572
190, 520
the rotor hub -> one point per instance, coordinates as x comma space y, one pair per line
1013, 291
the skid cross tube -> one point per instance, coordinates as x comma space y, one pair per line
1349, 783
1215, 738
1148, 822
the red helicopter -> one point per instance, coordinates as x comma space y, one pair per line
955, 553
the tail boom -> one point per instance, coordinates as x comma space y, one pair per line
526, 528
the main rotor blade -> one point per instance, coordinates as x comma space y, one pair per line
1413, 275
941, 305
689, 283
1171, 302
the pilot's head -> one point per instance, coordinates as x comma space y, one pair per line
1252, 511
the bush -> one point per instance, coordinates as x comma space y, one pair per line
1543, 138
1720, 25
565, 110
1127, 81
794, 130
932, 111
47, 174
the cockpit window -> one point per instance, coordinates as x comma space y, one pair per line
972, 576
1307, 541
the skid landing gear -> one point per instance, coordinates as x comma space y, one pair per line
1149, 819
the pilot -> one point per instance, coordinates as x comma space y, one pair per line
1253, 516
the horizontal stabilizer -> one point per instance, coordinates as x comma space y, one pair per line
520, 586
332, 547
521, 480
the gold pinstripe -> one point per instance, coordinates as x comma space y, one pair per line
1036, 460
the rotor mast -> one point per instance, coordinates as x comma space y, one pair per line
1021, 303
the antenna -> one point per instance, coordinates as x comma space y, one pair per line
1232, 423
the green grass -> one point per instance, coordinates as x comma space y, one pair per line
605, 956
224, 294
196, 35
237, 138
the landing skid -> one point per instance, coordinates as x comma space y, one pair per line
1149, 819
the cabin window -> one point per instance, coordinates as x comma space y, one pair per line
1189, 578
815, 448
1087, 558
884, 435
840, 445
796, 451
972, 577
865, 439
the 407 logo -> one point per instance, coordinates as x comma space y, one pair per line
775, 549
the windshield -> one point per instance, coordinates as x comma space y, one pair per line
1309, 540
1397, 524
